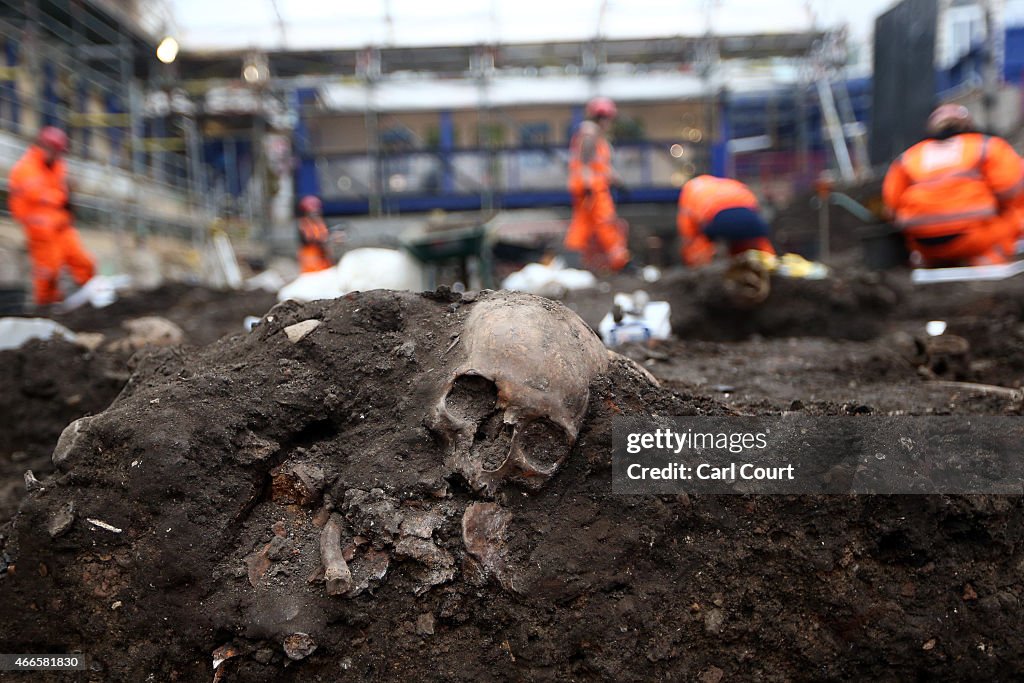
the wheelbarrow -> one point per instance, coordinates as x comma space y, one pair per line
464, 246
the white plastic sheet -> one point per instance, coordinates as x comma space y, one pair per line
551, 280
359, 270
16, 331
99, 292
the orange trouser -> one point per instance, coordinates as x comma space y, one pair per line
977, 243
50, 249
312, 258
594, 220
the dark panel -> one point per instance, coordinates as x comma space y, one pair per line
904, 77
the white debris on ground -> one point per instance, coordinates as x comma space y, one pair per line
359, 270
99, 292
551, 280
268, 281
635, 318
16, 331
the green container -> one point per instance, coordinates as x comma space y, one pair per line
443, 245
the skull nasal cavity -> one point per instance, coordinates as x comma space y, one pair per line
492, 442
472, 398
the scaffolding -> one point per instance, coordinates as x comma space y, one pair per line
847, 136
88, 67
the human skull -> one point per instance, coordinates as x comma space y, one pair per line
514, 407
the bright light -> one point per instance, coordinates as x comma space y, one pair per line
397, 183
167, 51
676, 151
251, 73
255, 69
695, 135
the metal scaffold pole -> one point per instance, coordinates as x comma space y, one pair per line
836, 135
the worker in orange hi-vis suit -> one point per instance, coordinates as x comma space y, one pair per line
313, 236
595, 226
957, 195
39, 200
713, 208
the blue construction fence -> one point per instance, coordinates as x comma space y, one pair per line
528, 175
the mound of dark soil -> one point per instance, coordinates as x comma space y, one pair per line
204, 314
848, 305
46, 385
192, 521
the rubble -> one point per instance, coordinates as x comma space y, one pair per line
31, 483
299, 646
298, 331
296, 483
425, 624
148, 331
485, 534
61, 520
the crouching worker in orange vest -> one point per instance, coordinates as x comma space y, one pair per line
713, 208
595, 226
40, 201
312, 236
957, 194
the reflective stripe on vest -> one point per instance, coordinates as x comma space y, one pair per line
915, 164
935, 219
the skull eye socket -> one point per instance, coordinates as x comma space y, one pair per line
544, 443
472, 398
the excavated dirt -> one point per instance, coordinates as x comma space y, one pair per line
854, 305
204, 315
47, 385
225, 468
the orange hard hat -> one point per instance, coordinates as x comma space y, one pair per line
949, 117
53, 139
310, 204
601, 107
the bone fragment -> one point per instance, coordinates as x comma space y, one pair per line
336, 571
